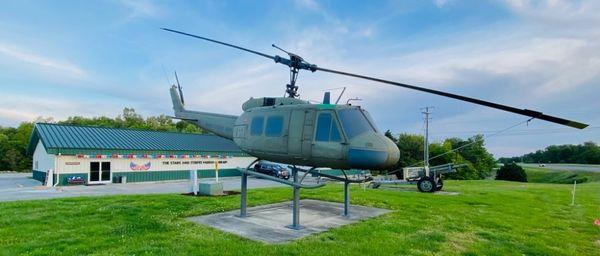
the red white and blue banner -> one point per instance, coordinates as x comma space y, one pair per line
149, 156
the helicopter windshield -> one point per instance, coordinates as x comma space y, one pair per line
354, 122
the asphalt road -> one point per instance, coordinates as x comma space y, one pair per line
20, 186
567, 167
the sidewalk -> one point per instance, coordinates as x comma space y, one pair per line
20, 186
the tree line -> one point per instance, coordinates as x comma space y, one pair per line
586, 153
14, 140
477, 162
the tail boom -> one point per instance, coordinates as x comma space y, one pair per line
219, 124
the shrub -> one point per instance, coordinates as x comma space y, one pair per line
511, 172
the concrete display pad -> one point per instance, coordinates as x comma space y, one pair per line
268, 223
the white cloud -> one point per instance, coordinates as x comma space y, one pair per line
16, 108
557, 12
441, 3
308, 4
43, 63
143, 9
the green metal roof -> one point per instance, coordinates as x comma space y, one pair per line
57, 137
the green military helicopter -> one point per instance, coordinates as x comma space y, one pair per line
293, 131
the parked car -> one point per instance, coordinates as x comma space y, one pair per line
542, 165
272, 169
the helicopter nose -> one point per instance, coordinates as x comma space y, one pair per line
372, 150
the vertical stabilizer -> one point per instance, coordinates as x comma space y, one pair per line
176, 98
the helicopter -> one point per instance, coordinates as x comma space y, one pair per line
293, 131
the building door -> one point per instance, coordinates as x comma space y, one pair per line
99, 172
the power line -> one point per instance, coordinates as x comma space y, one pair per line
477, 140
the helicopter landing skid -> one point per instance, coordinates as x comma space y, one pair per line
295, 184
346, 181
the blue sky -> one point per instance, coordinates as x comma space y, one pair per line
91, 58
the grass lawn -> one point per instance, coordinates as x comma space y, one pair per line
542, 175
485, 218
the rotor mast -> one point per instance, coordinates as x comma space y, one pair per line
295, 63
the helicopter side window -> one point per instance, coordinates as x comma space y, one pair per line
256, 127
274, 126
327, 129
335, 133
354, 122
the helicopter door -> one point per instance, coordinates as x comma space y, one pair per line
327, 144
295, 133
307, 133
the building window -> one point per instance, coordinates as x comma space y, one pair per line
274, 126
256, 127
36, 166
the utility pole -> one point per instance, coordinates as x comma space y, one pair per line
426, 112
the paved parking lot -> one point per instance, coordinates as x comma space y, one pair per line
20, 186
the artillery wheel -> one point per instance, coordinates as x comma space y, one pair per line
426, 184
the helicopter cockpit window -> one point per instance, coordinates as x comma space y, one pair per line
274, 126
354, 122
370, 120
327, 129
256, 127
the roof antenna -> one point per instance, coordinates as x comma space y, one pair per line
353, 99
341, 94
179, 88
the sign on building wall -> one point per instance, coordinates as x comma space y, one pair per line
75, 164
140, 167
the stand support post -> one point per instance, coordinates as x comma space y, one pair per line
296, 203
244, 195
346, 199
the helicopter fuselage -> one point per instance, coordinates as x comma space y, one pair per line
296, 132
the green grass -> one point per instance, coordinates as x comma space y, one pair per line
541, 175
485, 218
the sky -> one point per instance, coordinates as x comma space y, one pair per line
93, 58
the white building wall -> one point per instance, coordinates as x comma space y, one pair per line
72, 164
42, 161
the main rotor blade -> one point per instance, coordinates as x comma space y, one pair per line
219, 42
525, 112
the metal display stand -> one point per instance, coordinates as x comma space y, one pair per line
296, 184
347, 183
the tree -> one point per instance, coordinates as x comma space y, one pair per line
389, 134
13, 141
13, 158
476, 161
586, 153
511, 172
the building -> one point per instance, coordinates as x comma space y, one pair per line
95, 155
